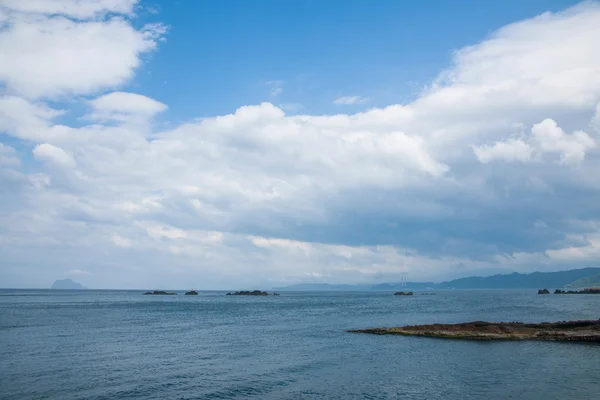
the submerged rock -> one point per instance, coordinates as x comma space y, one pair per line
161, 293
543, 291
248, 293
403, 294
573, 331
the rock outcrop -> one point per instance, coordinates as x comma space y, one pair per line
161, 293
403, 294
543, 291
568, 331
248, 293
191, 293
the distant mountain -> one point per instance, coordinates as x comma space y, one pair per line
66, 284
590, 281
515, 280
408, 285
360, 287
586, 277
317, 287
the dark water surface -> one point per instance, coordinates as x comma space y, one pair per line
123, 345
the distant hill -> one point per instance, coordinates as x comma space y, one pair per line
585, 277
590, 281
399, 286
317, 287
515, 280
342, 287
66, 284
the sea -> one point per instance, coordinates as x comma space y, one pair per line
100, 344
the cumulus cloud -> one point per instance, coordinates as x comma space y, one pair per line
47, 54
261, 196
547, 137
25, 119
551, 138
509, 150
349, 100
122, 106
54, 155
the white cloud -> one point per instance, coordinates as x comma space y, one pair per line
24, 119
120, 241
49, 56
54, 155
8, 156
510, 150
81, 9
547, 137
589, 251
122, 106
291, 107
544, 61
275, 87
553, 139
348, 100
283, 243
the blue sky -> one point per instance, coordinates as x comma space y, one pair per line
239, 144
227, 51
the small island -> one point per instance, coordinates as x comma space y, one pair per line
543, 291
66, 284
192, 293
161, 293
568, 331
403, 294
248, 293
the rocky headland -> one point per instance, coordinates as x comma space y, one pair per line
568, 331
584, 291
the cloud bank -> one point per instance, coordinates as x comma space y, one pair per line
493, 167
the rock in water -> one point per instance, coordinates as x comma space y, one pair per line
403, 294
191, 293
66, 284
543, 291
248, 293
161, 293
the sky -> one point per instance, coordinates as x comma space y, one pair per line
253, 144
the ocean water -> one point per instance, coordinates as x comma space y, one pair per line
123, 345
